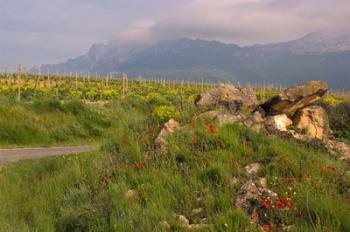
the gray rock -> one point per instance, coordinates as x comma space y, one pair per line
295, 97
232, 97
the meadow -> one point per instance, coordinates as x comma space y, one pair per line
125, 187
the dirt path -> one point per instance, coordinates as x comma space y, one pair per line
13, 155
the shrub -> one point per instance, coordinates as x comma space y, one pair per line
164, 113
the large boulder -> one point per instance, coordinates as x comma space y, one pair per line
295, 97
314, 121
233, 97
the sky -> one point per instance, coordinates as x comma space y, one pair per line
33, 32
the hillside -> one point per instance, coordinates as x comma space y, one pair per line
192, 186
321, 55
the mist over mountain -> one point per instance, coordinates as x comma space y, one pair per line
318, 55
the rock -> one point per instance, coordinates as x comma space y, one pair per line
230, 96
250, 196
221, 117
255, 121
262, 182
295, 97
198, 212
279, 122
165, 224
183, 220
168, 128
186, 223
131, 194
337, 148
252, 169
314, 121
234, 181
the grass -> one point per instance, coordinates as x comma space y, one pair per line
88, 192
51, 122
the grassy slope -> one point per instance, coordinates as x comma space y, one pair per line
48, 122
87, 192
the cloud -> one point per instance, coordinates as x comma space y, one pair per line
43, 31
249, 21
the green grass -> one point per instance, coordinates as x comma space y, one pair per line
50, 122
87, 192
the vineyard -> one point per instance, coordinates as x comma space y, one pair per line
25, 86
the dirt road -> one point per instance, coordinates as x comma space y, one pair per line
13, 155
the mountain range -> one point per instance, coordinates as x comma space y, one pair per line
319, 55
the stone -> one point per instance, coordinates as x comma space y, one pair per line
168, 128
340, 149
232, 97
250, 196
313, 120
165, 224
198, 211
234, 181
221, 117
184, 222
262, 182
279, 122
253, 169
131, 195
295, 97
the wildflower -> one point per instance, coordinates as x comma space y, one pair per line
211, 129
105, 179
222, 145
194, 125
266, 202
139, 165
280, 204
266, 227
308, 174
329, 168
293, 180
197, 157
194, 142
289, 204
150, 132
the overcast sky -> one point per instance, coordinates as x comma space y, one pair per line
49, 31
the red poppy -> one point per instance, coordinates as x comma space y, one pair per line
211, 129
222, 145
266, 202
105, 179
280, 204
330, 168
197, 157
289, 204
150, 132
139, 165
266, 227
194, 124
293, 180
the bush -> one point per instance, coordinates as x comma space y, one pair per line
164, 113
339, 118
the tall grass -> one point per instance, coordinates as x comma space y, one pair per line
88, 192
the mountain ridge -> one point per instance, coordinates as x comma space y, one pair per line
317, 55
